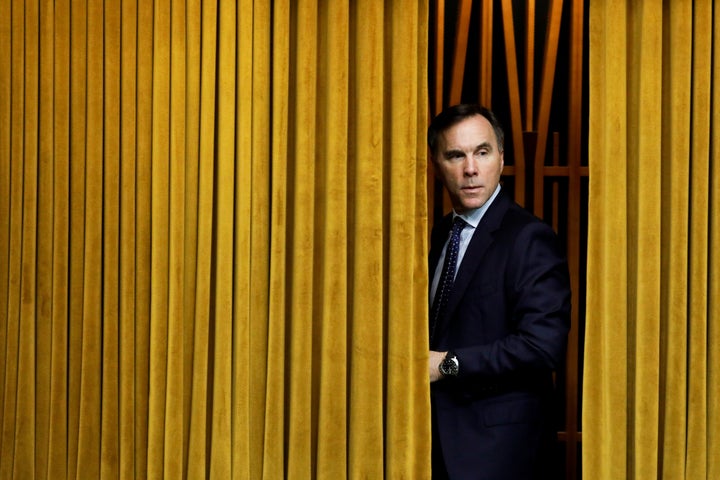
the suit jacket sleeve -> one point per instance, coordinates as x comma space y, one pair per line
517, 308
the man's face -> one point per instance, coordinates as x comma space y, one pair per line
468, 162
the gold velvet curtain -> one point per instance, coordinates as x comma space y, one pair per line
652, 359
213, 239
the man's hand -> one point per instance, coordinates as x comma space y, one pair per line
434, 362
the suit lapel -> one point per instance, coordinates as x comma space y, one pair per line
437, 242
481, 240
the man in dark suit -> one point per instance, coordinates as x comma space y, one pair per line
500, 313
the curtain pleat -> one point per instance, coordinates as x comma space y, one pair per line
59, 45
6, 177
699, 275
110, 329
198, 438
649, 363
300, 237
606, 240
128, 242
160, 363
275, 420
332, 206
78, 83
143, 225
676, 177
213, 239
365, 224
27, 141
643, 235
713, 375
222, 331
405, 346
243, 430
127, 247
44, 282
91, 438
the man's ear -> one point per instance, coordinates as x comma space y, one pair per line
433, 165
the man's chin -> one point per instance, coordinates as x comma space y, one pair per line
472, 204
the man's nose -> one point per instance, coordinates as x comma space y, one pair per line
470, 167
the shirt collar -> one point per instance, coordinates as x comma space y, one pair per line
473, 217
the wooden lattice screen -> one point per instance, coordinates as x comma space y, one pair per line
527, 61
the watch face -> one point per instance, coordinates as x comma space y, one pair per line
449, 366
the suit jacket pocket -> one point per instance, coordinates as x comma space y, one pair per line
516, 410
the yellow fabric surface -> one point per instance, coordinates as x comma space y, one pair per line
213, 239
650, 372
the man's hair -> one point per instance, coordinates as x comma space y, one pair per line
457, 113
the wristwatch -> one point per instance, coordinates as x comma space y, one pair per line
450, 366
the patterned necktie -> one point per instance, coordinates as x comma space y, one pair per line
447, 277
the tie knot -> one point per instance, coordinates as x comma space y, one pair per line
458, 224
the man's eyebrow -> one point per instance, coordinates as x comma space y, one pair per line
451, 152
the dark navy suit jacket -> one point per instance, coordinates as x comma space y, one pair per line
507, 320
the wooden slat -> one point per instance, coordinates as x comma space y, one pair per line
514, 94
555, 197
462, 31
439, 53
546, 90
574, 152
529, 64
563, 437
563, 171
486, 48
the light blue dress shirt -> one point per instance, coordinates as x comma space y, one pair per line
472, 218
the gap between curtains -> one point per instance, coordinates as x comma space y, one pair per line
213, 239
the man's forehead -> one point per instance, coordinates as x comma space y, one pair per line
473, 131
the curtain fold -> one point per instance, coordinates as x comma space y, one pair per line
213, 239
650, 375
